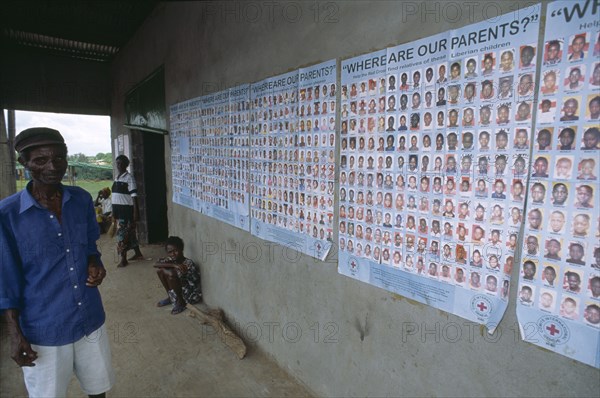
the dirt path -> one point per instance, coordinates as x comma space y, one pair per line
158, 354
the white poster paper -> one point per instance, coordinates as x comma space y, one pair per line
185, 119
559, 285
293, 142
442, 217
209, 155
225, 143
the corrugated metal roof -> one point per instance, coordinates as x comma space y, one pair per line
70, 48
90, 30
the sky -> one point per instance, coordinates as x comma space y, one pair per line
85, 134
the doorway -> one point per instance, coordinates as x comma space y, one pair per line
155, 188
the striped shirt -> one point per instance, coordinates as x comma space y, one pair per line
123, 192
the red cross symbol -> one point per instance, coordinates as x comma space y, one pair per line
481, 307
553, 330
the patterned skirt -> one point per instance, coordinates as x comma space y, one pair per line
126, 236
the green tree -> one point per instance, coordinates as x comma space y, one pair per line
78, 157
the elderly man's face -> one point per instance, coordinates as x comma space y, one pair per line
48, 164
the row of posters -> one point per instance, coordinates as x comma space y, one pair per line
434, 169
559, 285
435, 144
293, 163
262, 155
209, 154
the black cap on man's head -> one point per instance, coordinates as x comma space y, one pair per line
37, 136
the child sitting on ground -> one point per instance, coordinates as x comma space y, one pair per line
180, 277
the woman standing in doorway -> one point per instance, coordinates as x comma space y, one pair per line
125, 212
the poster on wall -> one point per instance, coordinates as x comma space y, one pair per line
316, 160
126, 146
212, 146
209, 154
239, 145
558, 304
363, 169
274, 152
224, 143
279, 161
184, 123
441, 220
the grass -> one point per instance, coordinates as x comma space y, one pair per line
92, 186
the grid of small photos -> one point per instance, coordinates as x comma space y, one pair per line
488, 111
434, 167
238, 146
275, 163
212, 144
367, 174
185, 124
561, 259
209, 154
316, 170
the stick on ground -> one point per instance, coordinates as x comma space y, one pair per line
214, 318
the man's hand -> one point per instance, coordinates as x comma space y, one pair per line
96, 273
179, 267
21, 351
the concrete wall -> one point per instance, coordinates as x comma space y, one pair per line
352, 341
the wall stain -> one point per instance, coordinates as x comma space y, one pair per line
362, 330
397, 297
482, 330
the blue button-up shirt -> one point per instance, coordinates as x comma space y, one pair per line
44, 267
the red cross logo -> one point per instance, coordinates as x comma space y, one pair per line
553, 330
481, 307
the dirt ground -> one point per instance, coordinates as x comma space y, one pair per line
156, 354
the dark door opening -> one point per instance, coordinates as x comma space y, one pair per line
155, 186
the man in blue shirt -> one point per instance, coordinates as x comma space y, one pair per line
50, 270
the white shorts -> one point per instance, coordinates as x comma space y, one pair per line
88, 357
